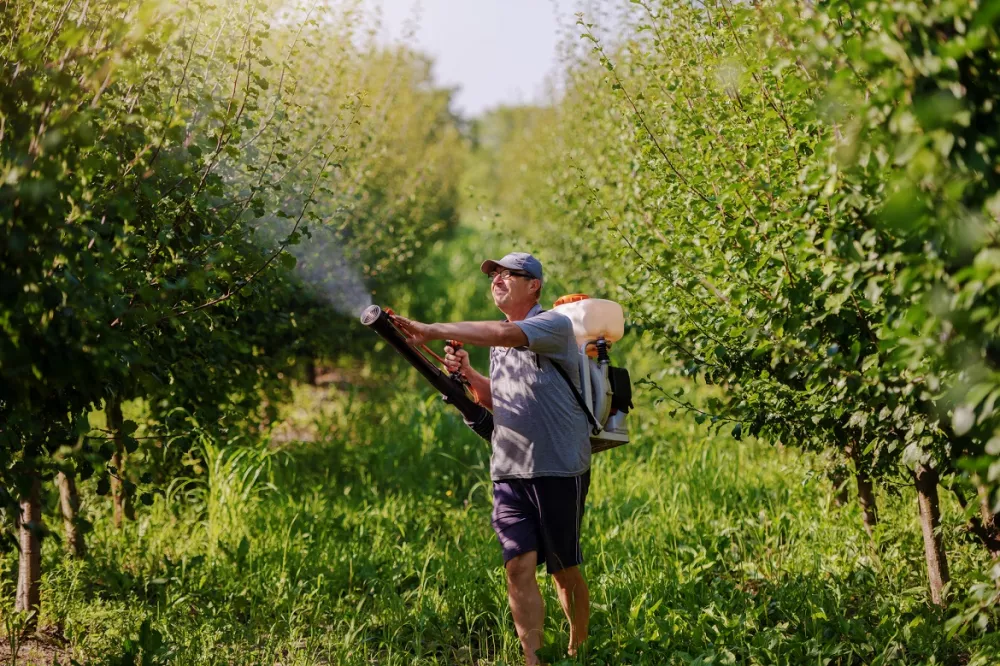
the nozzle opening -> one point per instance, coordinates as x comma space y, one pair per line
370, 315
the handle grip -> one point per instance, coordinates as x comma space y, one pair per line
456, 345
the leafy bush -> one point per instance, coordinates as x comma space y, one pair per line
798, 203
160, 163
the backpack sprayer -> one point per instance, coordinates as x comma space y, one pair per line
607, 390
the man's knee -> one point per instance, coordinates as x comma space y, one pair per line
569, 578
521, 568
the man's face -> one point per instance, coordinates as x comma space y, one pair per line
511, 290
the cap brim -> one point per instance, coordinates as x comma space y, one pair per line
491, 265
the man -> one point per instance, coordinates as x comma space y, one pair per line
540, 464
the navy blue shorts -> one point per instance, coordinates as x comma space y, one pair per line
542, 514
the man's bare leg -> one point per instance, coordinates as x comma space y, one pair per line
575, 599
526, 604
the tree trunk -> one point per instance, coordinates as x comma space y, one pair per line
841, 494
866, 498
986, 510
926, 482
69, 502
29, 523
311, 370
115, 421
866, 491
128, 506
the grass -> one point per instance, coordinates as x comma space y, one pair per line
372, 544
359, 533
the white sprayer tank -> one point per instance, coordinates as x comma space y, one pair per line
594, 318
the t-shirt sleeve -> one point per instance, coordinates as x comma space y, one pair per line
549, 333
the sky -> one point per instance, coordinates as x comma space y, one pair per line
496, 51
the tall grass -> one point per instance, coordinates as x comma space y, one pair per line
372, 544
367, 540
235, 477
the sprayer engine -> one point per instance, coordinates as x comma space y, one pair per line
607, 392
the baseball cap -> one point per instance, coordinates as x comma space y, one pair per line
515, 261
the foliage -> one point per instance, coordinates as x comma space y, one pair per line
372, 542
798, 203
159, 163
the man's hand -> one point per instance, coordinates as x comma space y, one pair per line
457, 361
415, 332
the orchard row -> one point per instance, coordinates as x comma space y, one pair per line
186, 192
800, 203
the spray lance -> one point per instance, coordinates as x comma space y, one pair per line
454, 387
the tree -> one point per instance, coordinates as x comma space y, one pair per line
148, 151
783, 193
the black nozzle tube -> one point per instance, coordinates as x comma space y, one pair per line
476, 416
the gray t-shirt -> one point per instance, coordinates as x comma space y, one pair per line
539, 427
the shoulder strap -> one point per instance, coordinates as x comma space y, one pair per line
595, 428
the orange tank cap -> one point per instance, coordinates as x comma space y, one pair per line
570, 298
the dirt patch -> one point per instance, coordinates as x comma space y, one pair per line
44, 647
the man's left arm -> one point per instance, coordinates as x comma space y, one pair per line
479, 333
